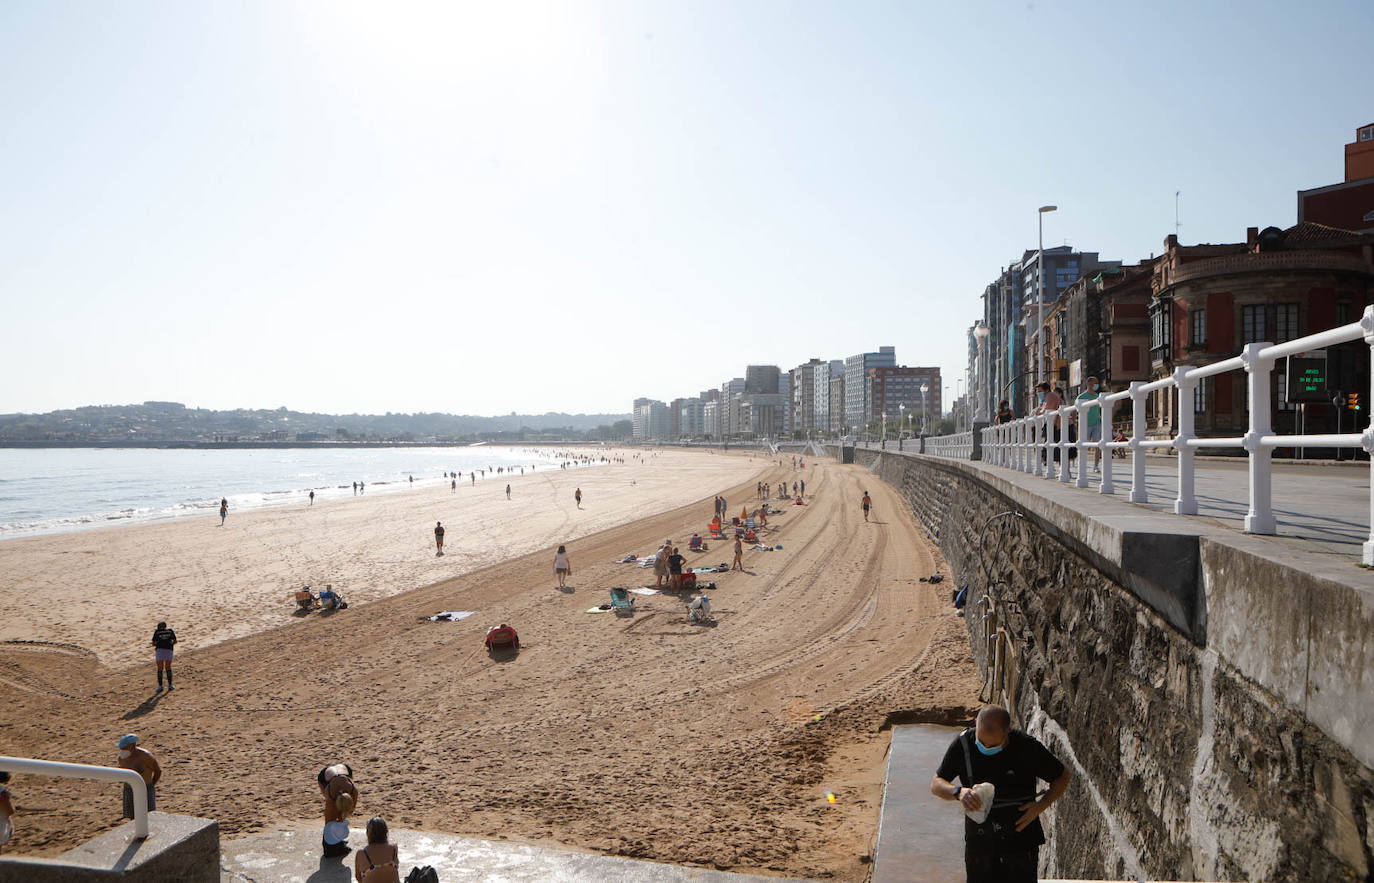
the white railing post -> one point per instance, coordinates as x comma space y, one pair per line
30, 767
1139, 494
1186, 503
1260, 518
1049, 446
1063, 413
1039, 448
1105, 486
1024, 456
1367, 437
1083, 408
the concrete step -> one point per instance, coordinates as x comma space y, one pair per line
293, 856
920, 837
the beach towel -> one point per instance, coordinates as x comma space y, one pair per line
645, 590
605, 608
450, 615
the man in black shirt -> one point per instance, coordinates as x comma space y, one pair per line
163, 641
1006, 846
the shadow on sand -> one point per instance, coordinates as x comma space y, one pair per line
143, 707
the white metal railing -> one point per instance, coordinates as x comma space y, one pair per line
28, 766
1028, 444
959, 445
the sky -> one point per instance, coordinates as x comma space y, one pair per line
492, 207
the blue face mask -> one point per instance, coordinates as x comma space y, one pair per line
985, 750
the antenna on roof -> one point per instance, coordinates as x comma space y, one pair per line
1176, 221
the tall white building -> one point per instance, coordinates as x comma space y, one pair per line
858, 410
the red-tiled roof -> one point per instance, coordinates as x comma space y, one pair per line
1308, 231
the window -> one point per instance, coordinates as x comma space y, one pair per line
1285, 322
1343, 313
1200, 397
1366, 133
1252, 323
1160, 330
1198, 323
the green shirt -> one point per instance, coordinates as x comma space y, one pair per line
1094, 417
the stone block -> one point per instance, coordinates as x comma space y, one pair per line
181, 848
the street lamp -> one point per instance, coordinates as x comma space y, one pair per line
981, 332
883, 443
925, 411
1040, 291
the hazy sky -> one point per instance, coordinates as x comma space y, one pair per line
482, 208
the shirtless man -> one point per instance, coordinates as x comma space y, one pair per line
131, 757
867, 503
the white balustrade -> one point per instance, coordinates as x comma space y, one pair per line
30, 767
1028, 444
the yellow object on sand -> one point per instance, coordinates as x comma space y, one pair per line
830, 797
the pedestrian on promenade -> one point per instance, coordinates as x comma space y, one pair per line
1091, 431
1001, 841
1050, 402
867, 504
578, 497
141, 761
164, 639
223, 510
438, 538
1004, 412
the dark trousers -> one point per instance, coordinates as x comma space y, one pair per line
129, 800
991, 867
334, 850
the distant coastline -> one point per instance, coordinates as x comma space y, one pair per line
268, 445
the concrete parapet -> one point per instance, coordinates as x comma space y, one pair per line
1209, 689
181, 848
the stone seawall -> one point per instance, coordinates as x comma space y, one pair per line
1213, 704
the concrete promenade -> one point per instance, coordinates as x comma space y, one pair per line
1320, 506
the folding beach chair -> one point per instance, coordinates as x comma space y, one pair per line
621, 600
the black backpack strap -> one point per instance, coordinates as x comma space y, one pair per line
964, 739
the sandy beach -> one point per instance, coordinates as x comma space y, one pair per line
641, 735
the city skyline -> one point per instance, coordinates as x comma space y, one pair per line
335, 209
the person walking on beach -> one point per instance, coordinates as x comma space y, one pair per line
867, 503
562, 566
131, 757
362, 487
223, 510
312, 498
507, 492
473, 476
355, 489
739, 555
577, 495
453, 486
803, 487
164, 639
438, 538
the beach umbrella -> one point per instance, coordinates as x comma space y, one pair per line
744, 514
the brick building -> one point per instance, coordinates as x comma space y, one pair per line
1350, 204
1210, 300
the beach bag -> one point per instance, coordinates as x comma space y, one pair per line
689, 580
425, 874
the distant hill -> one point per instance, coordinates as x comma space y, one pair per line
173, 421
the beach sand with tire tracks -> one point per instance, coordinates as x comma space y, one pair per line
641, 735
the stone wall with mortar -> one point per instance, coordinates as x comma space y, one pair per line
1185, 766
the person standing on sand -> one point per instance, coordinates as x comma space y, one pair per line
739, 555
577, 495
803, 487
6, 810
312, 498
223, 510
355, 489
867, 503
438, 538
507, 492
473, 476
562, 566
131, 757
453, 486
164, 639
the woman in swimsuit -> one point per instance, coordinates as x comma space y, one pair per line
379, 861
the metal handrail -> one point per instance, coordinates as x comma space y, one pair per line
29, 766
1028, 444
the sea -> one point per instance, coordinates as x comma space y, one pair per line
47, 490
